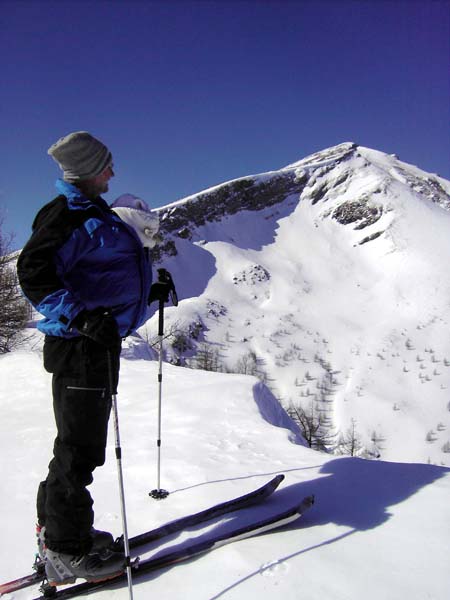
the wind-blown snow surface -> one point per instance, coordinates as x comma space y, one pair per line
378, 529
332, 272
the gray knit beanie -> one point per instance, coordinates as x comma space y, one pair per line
80, 155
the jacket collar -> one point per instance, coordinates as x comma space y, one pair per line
76, 198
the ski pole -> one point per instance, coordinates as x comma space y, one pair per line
167, 287
126, 543
158, 493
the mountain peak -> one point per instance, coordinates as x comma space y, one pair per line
330, 278
333, 154
358, 182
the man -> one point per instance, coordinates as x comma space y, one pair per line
89, 274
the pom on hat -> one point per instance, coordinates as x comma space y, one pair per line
81, 156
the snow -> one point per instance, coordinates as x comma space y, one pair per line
300, 289
321, 308
378, 529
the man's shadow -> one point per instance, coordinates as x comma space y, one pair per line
358, 493
349, 492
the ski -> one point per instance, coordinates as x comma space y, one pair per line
190, 550
208, 514
180, 524
22, 582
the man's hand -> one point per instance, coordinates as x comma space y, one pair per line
163, 288
99, 325
159, 291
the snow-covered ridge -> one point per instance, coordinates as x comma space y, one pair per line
322, 175
248, 193
331, 273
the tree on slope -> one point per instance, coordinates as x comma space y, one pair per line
313, 424
13, 307
350, 442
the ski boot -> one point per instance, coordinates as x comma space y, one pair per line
101, 541
62, 569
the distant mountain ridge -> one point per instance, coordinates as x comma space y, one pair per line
331, 275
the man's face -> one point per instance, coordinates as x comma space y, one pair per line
101, 181
97, 185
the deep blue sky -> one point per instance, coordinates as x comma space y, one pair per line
188, 94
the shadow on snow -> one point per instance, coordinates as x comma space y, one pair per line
349, 492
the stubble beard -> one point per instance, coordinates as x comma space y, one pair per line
92, 188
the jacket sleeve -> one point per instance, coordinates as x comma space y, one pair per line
37, 264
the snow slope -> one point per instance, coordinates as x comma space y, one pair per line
333, 274
378, 529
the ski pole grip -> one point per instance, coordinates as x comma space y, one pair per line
165, 277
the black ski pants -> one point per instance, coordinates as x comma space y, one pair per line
82, 406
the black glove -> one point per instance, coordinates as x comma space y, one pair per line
163, 288
98, 325
159, 291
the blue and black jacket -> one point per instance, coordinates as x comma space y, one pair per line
81, 255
